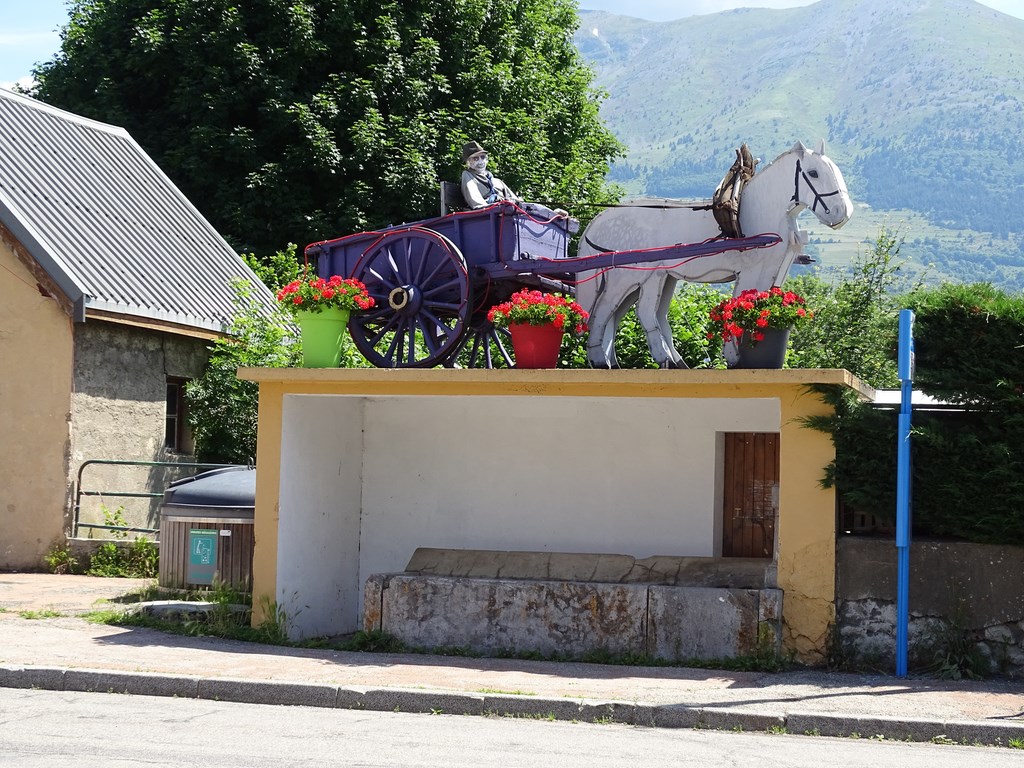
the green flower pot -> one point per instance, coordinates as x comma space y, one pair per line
323, 335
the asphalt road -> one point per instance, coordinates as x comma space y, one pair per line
47, 728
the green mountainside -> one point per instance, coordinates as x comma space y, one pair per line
921, 104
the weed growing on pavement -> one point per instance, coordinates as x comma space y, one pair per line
1015, 743
950, 650
46, 613
549, 716
374, 641
776, 730
104, 616
138, 560
841, 658
229, 612
60, 560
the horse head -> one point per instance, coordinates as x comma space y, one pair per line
818, 185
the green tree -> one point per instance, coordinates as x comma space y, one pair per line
855, 317
298, 120
222, 409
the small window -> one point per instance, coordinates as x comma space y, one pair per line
176, 434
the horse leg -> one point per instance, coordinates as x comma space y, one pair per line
601, 344
652, 312
664, 304
613, 301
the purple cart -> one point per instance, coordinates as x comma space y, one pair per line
434, 280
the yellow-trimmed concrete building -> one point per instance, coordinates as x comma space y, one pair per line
359, 468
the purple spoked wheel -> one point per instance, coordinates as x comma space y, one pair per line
483, 346
420, 287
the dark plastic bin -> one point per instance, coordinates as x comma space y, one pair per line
206, 530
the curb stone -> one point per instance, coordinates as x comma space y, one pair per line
507, 705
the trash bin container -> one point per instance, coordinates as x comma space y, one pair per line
206, 529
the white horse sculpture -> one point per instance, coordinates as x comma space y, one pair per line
769, 204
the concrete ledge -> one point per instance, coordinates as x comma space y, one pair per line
572, 618
45, 678
403, 700
738, 719
896, 728
509, 705
731, 573
530, 706
139, 683
701, 622
491, 615
269, 692
968, 732
676, 716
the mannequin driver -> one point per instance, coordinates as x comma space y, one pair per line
481, 188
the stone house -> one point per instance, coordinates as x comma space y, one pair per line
113, 286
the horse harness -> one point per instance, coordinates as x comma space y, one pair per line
818, 197
725, 202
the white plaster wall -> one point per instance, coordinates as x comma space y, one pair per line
616, 475
318, 584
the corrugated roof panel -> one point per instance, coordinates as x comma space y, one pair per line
107, 217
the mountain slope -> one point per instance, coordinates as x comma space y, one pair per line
922, 103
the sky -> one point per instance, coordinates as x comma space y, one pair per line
28, 28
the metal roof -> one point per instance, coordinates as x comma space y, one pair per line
108, 226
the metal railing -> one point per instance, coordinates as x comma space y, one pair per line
79, 493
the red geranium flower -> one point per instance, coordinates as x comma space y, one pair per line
752, 311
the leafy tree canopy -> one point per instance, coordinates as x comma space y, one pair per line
297, 120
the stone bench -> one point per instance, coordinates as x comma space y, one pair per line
668, 608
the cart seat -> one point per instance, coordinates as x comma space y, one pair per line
451, 198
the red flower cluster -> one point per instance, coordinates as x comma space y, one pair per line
753, 311
314, 294
536, 308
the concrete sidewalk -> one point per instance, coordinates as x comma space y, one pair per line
68, 653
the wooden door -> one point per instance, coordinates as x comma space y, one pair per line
750, 494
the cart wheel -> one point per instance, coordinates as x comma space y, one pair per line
484, 346
420, 287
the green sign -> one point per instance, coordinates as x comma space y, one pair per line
202, 555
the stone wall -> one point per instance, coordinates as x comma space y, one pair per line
573, 604
974, 591
119, 409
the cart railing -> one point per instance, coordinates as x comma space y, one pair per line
80, 492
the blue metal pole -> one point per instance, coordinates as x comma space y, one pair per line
903, 488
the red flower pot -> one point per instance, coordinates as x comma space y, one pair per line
536, 346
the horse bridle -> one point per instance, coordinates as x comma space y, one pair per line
818, 197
